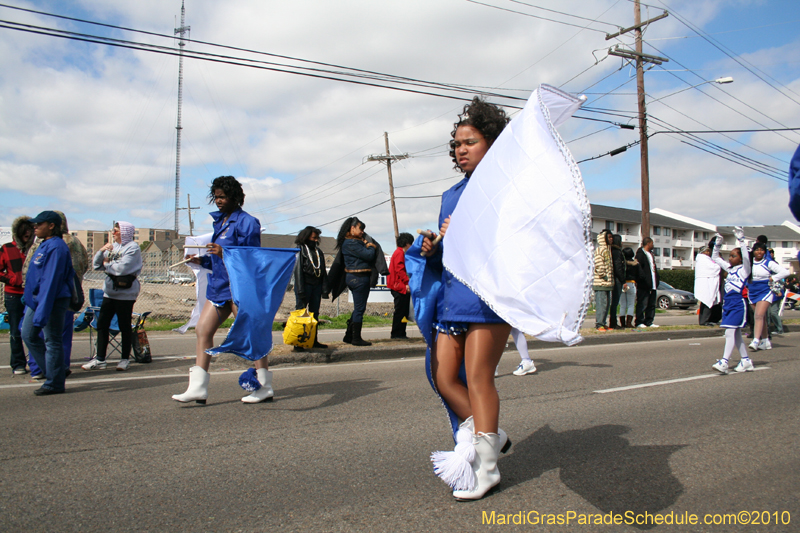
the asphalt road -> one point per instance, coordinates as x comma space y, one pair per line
344, 447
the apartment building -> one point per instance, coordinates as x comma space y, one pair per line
93, 240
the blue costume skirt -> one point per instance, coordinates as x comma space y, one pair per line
734, 311
758, 291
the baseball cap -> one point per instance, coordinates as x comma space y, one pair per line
47, 216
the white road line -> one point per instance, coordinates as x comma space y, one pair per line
670, 381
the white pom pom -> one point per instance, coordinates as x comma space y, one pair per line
454, 470
463, 435
466, 450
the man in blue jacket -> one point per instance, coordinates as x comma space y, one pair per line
47, 296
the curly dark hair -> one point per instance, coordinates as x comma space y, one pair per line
305, 234
487, 118
403, 239
232, 189
345, 229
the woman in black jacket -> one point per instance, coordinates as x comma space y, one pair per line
618, 262
309, 275
359, 256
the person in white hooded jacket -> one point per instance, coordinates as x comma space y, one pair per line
122, 262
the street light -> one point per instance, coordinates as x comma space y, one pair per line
720, 81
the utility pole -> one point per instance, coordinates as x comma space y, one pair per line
388, 158
189, 208
181, 44
641, 59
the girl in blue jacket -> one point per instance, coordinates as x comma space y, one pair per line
47, 296
470, 335
232, 227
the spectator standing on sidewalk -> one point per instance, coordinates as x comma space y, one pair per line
706, 286
47, 296
309, 276
121, 260
618, 261
603, 279
359, 256
398, 283
646, 285
627, 300
12, 257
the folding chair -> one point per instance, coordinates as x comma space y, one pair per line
114, 344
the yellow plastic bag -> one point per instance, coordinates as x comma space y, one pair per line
301, 329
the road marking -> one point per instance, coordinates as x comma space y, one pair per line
670, 381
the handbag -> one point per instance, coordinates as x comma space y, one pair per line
301, 329
141, 347
122, 282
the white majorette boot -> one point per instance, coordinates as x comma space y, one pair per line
265, 393
487, 449
456, 468
198, 387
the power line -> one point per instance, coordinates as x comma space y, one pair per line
534, 16
565, 14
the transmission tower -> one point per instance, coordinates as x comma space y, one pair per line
183, 29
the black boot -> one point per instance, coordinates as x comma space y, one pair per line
357, 340
318, 344
348, 336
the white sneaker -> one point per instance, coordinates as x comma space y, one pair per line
525, 367
654, 325
497, 371
20, 371
765, 345
94, 364
721, 366
123, 364
641, 326
754, 346
745, 365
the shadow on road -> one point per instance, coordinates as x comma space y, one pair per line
338, 392
599, 465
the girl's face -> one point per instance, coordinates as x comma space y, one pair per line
117, 234
736, 257
356, 231
314, 237
222, 202
758, 254
609, 239
469, 146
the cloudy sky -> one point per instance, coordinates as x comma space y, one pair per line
90, 129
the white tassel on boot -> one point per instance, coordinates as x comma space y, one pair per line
455, 468
487, 449
198, 387
265, 393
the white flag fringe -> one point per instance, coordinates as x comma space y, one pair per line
520, 237
201, 276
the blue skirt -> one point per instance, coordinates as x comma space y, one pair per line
758, 291
734, 311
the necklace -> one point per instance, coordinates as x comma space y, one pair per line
317, 270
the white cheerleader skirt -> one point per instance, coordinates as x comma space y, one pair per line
758, 291
734, 311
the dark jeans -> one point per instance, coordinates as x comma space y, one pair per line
312, 297
66, 344
123, 309
48, 353
359, 288
645, 307
616, 292
15, 311
402, 306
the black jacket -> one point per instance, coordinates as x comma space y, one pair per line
304, 272
644, 281
336, 282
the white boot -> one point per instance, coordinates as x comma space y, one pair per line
265, 393
487, 449
198, 387
505, 444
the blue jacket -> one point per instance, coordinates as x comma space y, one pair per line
241, 229
457, 303
357, 256
794, 184
48, 278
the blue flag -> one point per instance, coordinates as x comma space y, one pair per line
259, 277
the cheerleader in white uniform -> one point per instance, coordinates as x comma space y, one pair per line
734, 306
764, 270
